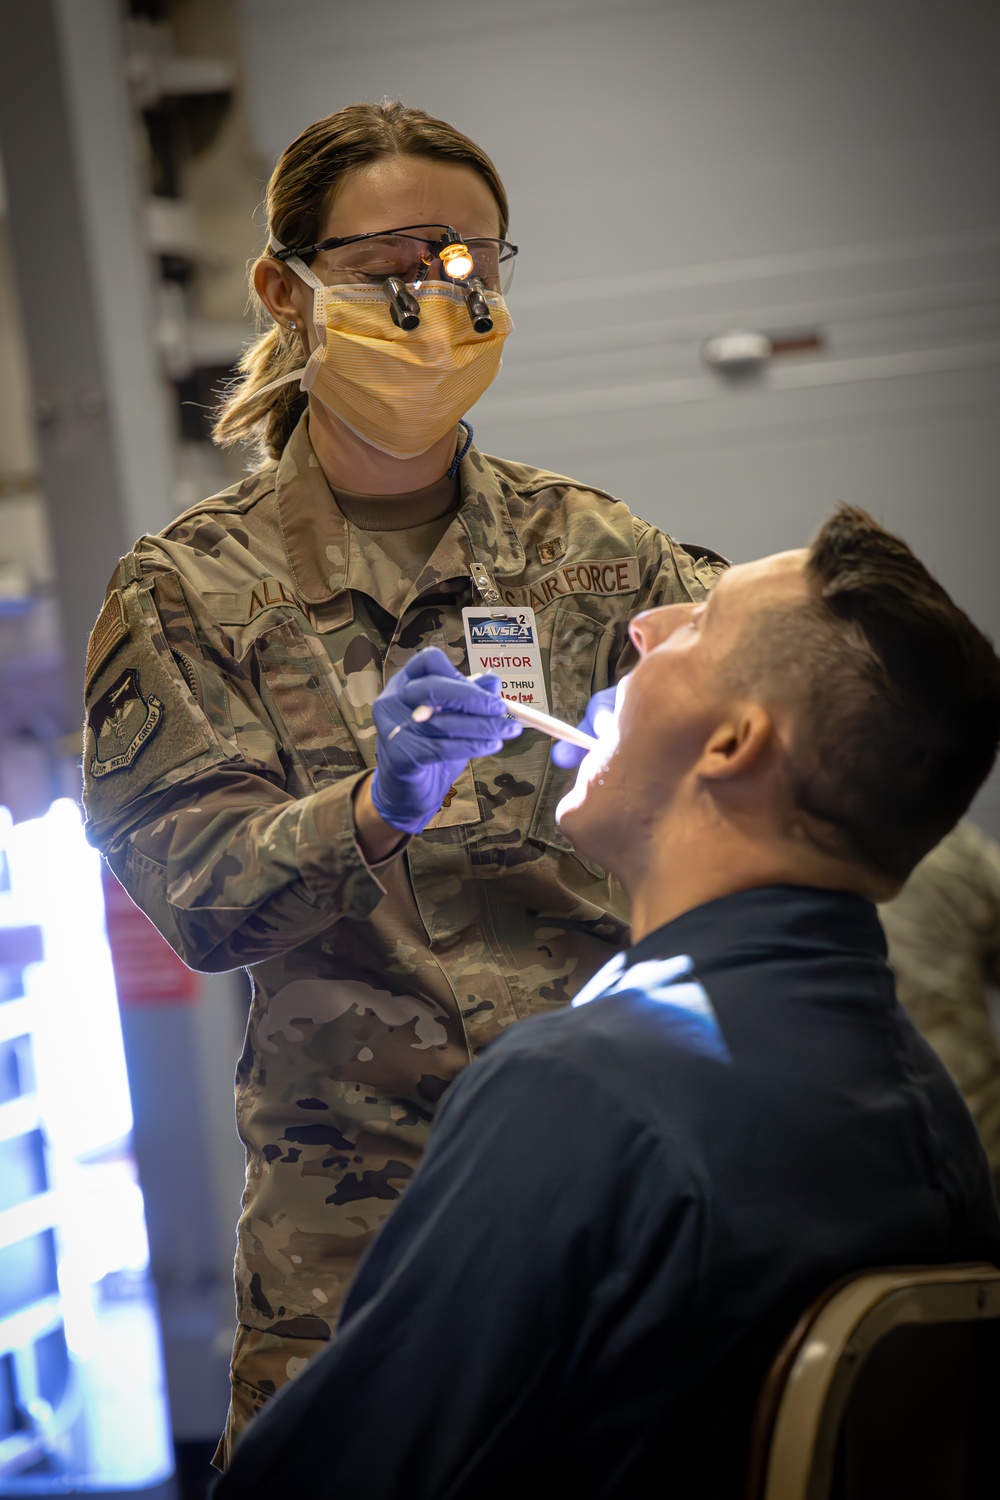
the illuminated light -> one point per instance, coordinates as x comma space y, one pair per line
605, 724
79, 1310
597, 761
78, 1051
22, 1220
456, 261
110, 1431
19, 1329
70, 1009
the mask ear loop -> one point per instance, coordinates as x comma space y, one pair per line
308, 370
304, 272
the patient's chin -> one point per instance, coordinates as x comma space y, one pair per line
575, 826
585, 808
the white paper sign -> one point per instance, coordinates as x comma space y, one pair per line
504, 641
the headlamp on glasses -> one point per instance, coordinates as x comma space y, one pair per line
457, 264
398, 261
456, 261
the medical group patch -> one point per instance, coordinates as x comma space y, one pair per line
122, 721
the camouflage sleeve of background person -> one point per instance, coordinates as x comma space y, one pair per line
989, 855
199, 827
944, 945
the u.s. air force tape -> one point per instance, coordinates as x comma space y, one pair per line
603, 575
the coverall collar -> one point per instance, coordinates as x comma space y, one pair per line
321, 554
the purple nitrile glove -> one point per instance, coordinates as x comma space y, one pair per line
570, 756
417, 762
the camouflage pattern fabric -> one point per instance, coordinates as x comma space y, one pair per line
230, 683
944, 945
262, 1363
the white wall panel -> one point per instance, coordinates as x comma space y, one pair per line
679, 169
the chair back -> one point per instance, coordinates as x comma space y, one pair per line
888, 1388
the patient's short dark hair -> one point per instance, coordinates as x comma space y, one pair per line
900, 696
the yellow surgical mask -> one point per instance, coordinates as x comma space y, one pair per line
400, 391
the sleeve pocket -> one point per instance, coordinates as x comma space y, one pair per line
299, 677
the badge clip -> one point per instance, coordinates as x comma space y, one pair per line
485, 587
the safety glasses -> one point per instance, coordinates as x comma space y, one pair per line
368, 259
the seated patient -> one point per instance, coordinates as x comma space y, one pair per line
625, 1205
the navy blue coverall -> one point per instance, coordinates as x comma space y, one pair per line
624, 1207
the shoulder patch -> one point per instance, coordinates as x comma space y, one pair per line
111, 628
122, 722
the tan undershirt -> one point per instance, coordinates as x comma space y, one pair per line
404, 528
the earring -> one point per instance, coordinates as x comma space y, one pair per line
291, 324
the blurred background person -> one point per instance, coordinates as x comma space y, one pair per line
944, 945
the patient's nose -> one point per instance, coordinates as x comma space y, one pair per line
652, 626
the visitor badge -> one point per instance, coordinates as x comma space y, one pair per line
505, 642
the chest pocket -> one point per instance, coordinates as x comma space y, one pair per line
299, 677
578, 667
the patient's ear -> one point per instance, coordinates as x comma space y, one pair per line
738, 744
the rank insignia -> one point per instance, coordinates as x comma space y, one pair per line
122, 721
551, 551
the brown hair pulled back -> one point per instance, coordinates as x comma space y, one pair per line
297, 198
898, 697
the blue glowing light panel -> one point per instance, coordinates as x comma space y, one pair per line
81, 1380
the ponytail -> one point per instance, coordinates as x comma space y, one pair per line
263, 422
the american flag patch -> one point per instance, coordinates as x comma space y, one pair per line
111, 627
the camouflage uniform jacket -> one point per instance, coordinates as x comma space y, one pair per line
944, 945
230, 681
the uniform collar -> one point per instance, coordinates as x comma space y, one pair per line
323, 559
755, 924
385, 513
791, 921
